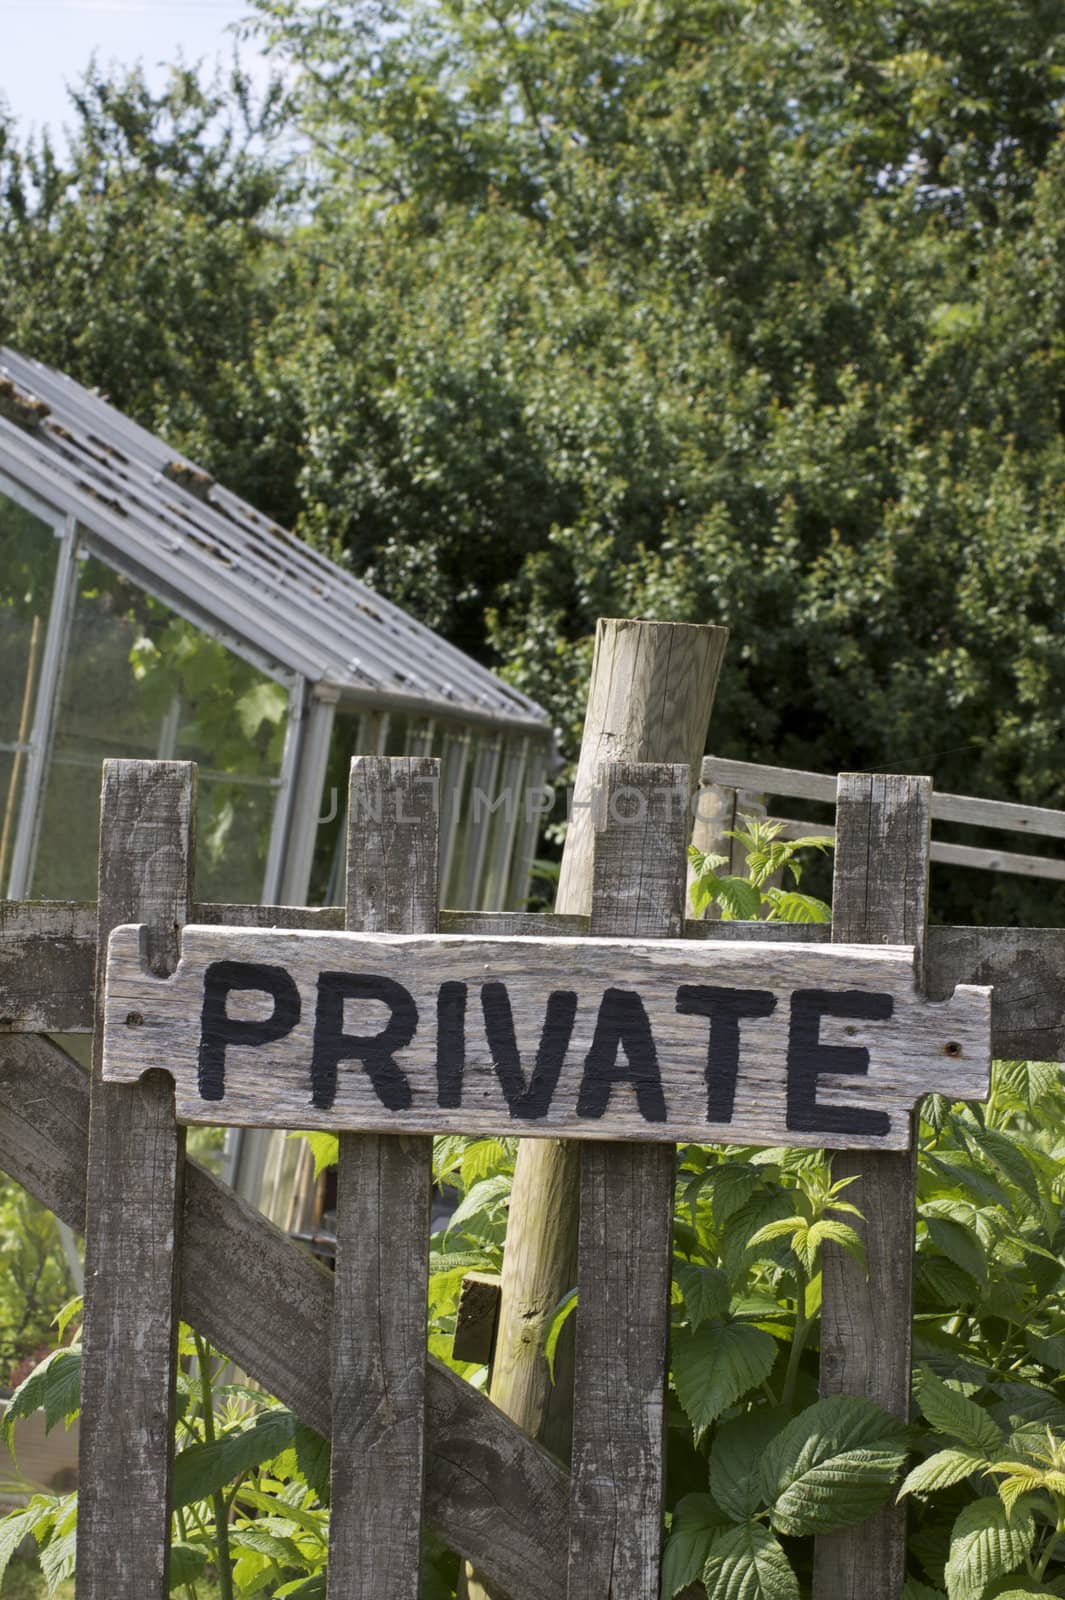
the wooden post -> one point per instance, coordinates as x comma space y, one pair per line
626, 1231
880, 896
383, 1193
651, 692
133, 1209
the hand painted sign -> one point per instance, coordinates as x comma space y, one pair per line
667, 1040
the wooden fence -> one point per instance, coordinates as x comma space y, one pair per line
412, 1443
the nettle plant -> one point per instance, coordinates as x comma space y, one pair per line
746, 897
757, 1463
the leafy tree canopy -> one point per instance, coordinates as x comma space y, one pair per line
732, 310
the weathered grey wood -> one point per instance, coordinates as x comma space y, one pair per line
639, 885
649, 699
1025, 966
476, 1318
47, 957
582, 1009
949, 855
880, 893
1040, 821
132, 1219
491, 1494
44, 1124
383, 1192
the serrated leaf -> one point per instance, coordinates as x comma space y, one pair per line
984, 1545
313, 1458
482, 1158
946, 1467
485, 1195
695, 1521
715, 1366
53, 1386
13, 1529
275, 1545
832, 1465
956, 1415
747, 1563
204, 1468
187, 1562
958, 1244
324, 1148
559, 1317
705, 1291
735, 1461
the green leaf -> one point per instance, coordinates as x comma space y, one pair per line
695, 1521
14, 1528
953, 1413
313, 1458
715, 1366
946, 1467
187, 1562
832, 1466
325, 1149
303, 1589
705, 1291
204, 1468
958, 1244
490, 1192
483, 1158
985, 1545
266, 701
747, 1563
791, 906
565, 1309
277, 1546
54, 1385
735, 1461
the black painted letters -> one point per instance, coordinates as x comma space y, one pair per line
217, 1029
375, 1050
622, 1024
808, 1058
725, 1008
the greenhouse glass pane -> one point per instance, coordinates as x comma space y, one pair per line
29, 550
141, 682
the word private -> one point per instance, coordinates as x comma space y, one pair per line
667, 1040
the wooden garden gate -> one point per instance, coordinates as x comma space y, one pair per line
410, 1440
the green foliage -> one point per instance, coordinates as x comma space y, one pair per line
744, 898
34, 1277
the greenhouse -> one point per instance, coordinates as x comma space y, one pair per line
147, 612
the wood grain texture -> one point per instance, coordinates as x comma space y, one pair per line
47, 962
649, 699
1025, 967
572, 1038
384, 1184
477, 1318
132, 1219
880, 893
949, 855
491, 1493
1038, 821
626, 1232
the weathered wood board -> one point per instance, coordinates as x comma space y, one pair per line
577, 1038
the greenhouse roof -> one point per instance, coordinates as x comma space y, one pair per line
165, 521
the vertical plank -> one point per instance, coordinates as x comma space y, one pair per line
880, 896
650, 695
382, 1267
134, 1186
626, 1229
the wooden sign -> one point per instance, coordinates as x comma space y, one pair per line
669, 1040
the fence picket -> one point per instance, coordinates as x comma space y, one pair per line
383, 1192
880, 896
133, 1210
626, 1230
